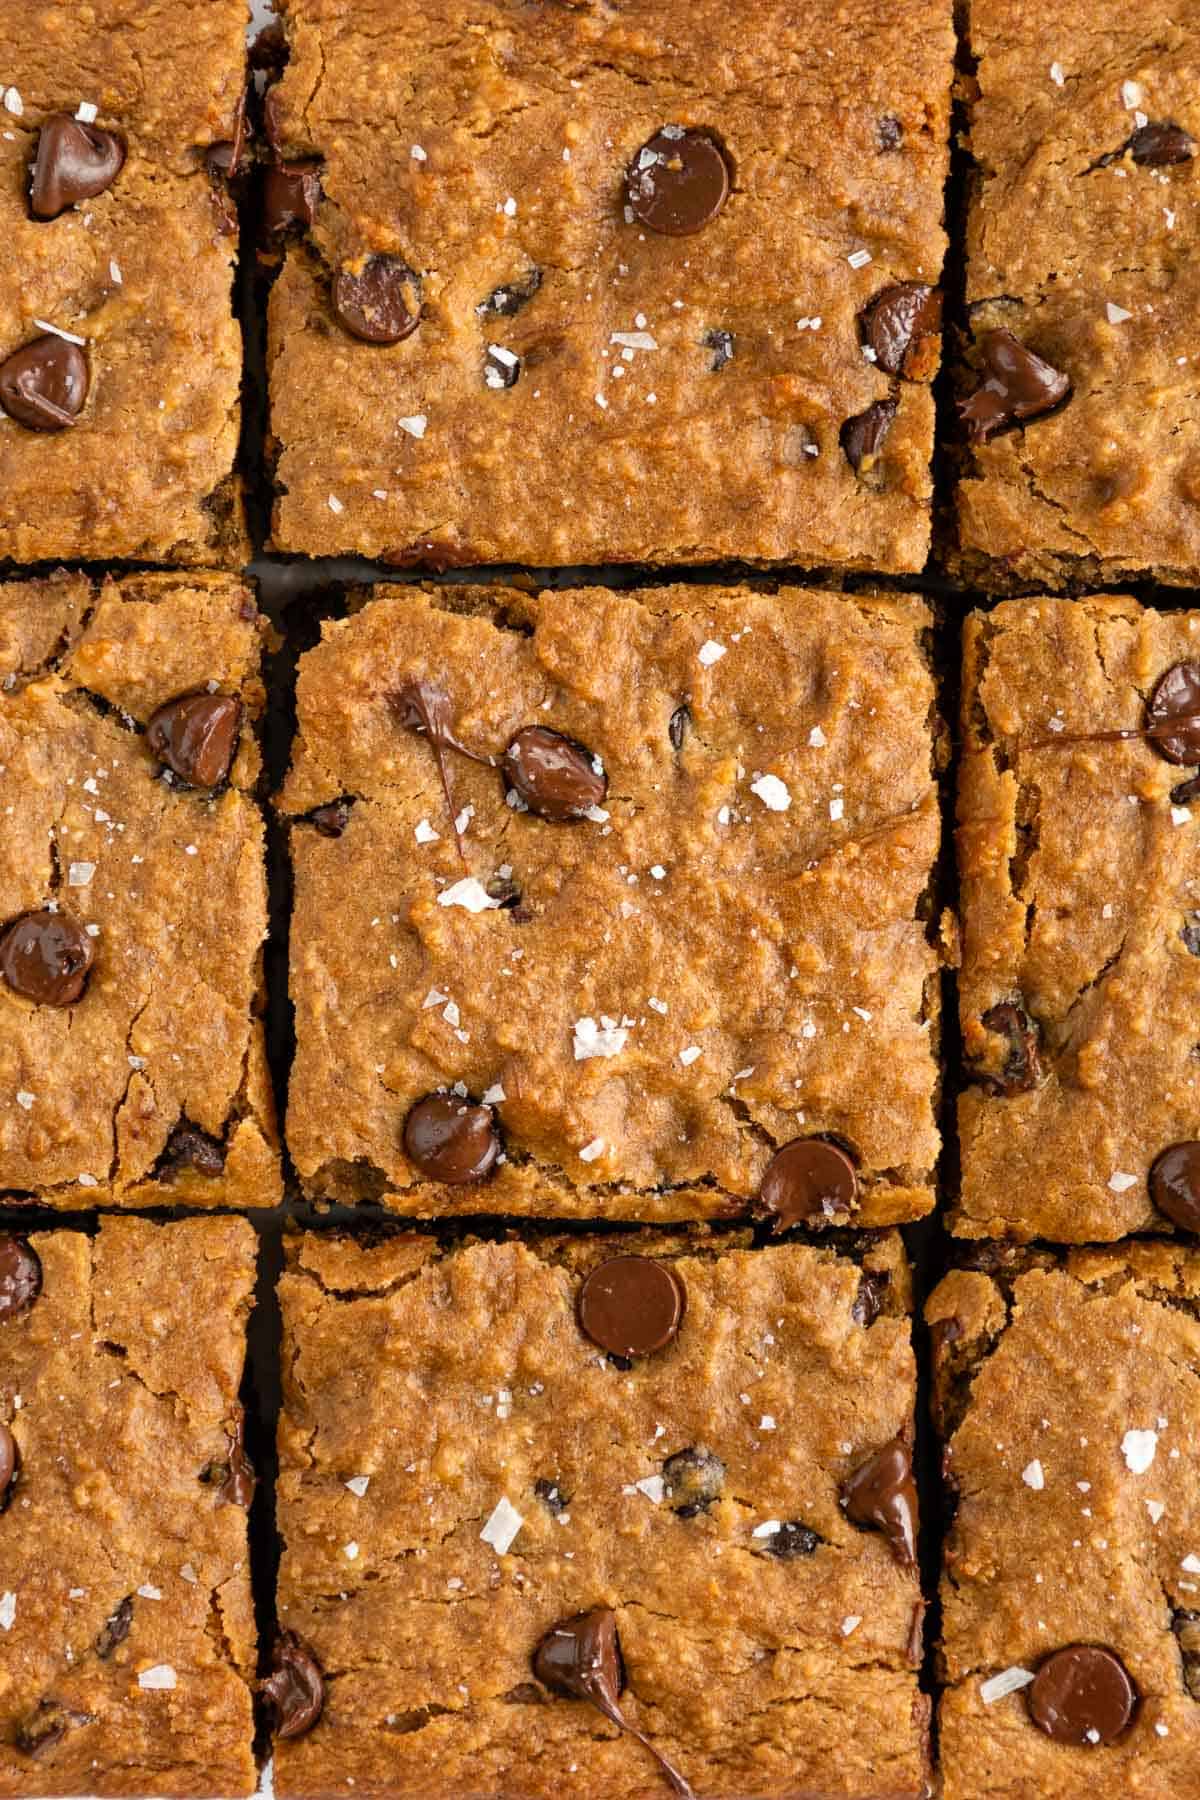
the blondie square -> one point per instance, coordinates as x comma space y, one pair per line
621, 1516
580, 284
1082, 442
132, 895
1070, 1406
1079, 858
128, 1646
120, 359
616, 905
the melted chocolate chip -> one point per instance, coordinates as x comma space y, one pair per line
44, 384
1022, 1068
504, 302
291, 194
808, 1180
45, 957
678, 181
295, 1691
693, 1480
1175, 1185
196, 737
1173, 713
1082, 1695
74, 162
794, 1538
331, 820
862, 437
46, 1726
581, 1657
501, 367
882, 1494
557, 778
872, 1285
380, 303
889, 132
1154, 146
451, 1140
438, 554
632, 1305
237, 1488
721, 345
901, 326
550, 1494
678, 724
20, 1277
1190, 931
422, 707
115, 1629
1017, 385
10, 1463
190, 1148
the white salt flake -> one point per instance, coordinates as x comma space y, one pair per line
188, 1573
653, 1488
858, 259
79, 874
335, 505
591, 1151
418, 154
414, 424
470, 894
606, 1039
767, 1422
88, 1181
836, 808
25, 1098
1191, 1564
1138, 1448
1007, 1682
817, 738
635, 340
161, 1676
86, 112
1120, 1182
115, 275
350, 1551
149, 1592
1132, 95
502, 1527
494, 1095
690, 1055
57, 331
1056, 74
850, 1623
424, 833
13, 102
1116, 315
772, 792
1156, 1509
710, 652
767, 1529
8, 1610
358, 1484
1180, 815
1033, 1476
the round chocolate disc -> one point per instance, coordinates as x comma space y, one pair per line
196, 736
1175, 1184
381, 303
20, 1277
678, 181
45, 957
74, 162
1176, 696
556, 777
809, 1178
10, 1460
451, 1139
631, 1305
44, 384
1082, 1695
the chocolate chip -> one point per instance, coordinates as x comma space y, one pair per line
1083, 1695
501, 367
794, 1538
881, 1494
1190, 933
237, 1488
451, 1140
291, 194
677, 727
693, 1480
889, 132
115, 1629
557, 778
1021, 1071
73, 162
1173, 713
504, 302
632, 1305
1017, 384
20, 1277
901, 326
809, 1180
10, 1463
331, 820
196, 736
190, 1148
551, 1495
45, 957
581, 1658
438, 554
1186, 791
721, 345
678, 181
862, 437
872, 1285
295, 1691
44, 384
1158, 145
46, 1726
1175, 1184
381, 302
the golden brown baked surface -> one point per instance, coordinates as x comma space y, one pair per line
1083, 245
1079, 894
730, 953
129, 1642
451, 1382
141, 272
677, 398
1070, 1401
166, 881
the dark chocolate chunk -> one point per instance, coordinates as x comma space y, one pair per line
115, 1628
74, 162
45, 957
862, 437
46, 1726
295, 1690
581, 1658
1173, 713
1017, 385
794, 1538
237, 1487
882, 1494
1083, 1695
501, 367
632, 1305
677, 727
550, 1494
1190, 930
451, 1140
889, 132
557, 778
809, 1180
1022, 1068
10, 1463
1175, 1184
872, 1285
20, 1277
190, 1148
901, 327
678, 181
721, 345
693, 1480
291, 194
504, 302
1159, 144
44, 384
381, 302
196, 736
331, 820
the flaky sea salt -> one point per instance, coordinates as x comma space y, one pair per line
1138, 1449
772, 792
710, 652
470, 894
8, 1610
161, 1676
358, 1484
606, 1039
1120, 1182
414, 424
502, 1526
1033, 1476
591, 1151
1006, 1682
